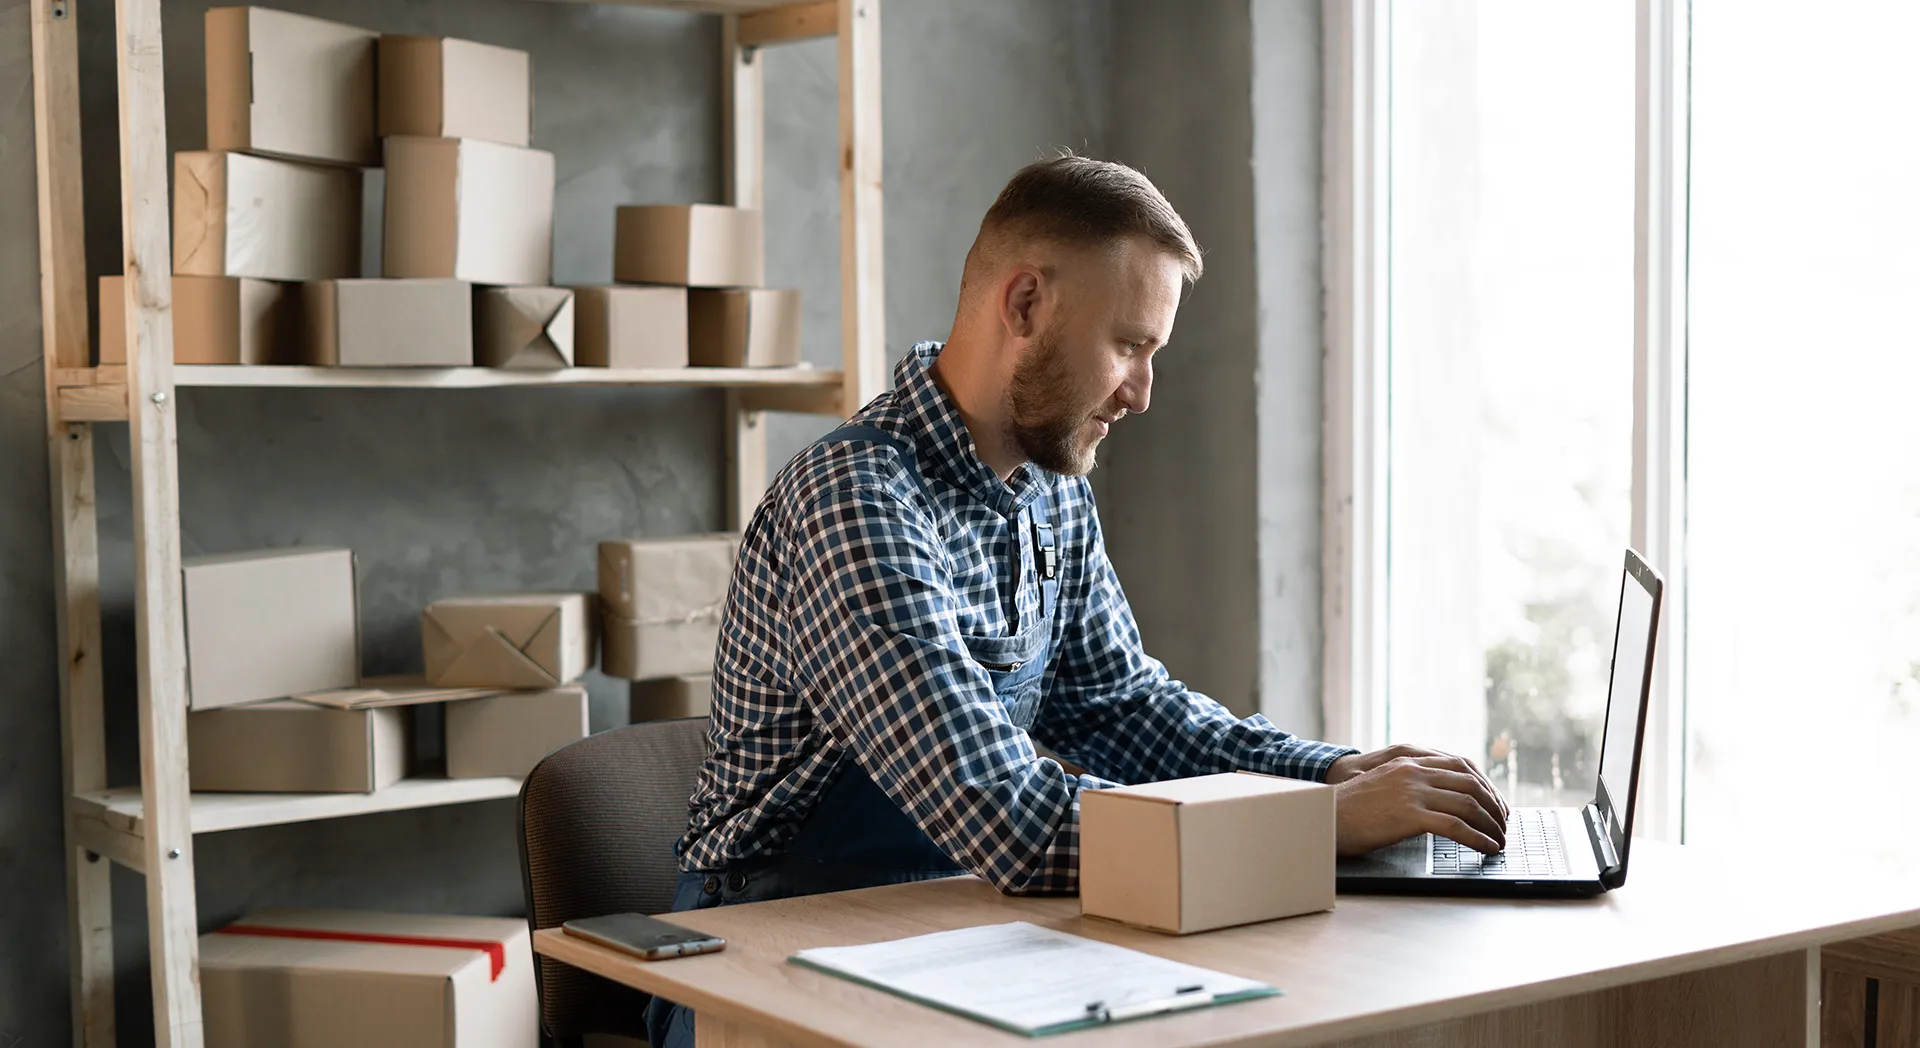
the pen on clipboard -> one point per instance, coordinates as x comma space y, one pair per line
1184, 997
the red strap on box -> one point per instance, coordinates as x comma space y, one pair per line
496, 951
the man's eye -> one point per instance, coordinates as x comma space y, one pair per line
1129, 346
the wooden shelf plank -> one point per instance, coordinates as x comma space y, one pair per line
714, 7
475, 378
121, 809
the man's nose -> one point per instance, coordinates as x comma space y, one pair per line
1137, 390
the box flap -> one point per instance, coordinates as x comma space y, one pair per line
1207, 789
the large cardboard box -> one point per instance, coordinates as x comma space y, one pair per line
692, 245
269, 624
387, 323
216, 320
508, 734
328, 978
508, 640
529, 328
289, 85
663, 599
236, 215
744, 328
469, 210
630, 327
670, 698
1207, 852
290, 746
438, 87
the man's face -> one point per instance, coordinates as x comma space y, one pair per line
1093, 362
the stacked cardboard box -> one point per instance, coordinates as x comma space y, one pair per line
715, 257
663, 600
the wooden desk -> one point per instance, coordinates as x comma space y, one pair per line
1691, 952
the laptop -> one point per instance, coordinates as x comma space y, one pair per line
1550, 851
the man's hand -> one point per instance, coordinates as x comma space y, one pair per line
1389, 795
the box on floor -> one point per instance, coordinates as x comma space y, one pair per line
296, 746
690, 245
670, 698
507, 734
630, 326
508, 640
236, 215
440, 87
464, 209
269, 624
290, 85
743, 328
387, 323
663, 600
322, 978
1192, 854
523, 327
216, 320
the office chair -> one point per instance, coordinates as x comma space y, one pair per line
598, 819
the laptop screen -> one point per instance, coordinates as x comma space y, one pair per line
1626, 695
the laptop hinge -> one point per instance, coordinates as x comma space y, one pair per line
1603, 851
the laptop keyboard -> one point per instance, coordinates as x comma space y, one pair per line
1533, 850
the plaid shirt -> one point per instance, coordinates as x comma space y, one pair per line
855, 586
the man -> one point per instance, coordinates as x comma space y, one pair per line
924, 596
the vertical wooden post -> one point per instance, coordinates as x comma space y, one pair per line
172, 926
76, 533
743, 156
863, 296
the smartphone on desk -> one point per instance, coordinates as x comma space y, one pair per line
647, 938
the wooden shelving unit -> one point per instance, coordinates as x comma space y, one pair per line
150, 828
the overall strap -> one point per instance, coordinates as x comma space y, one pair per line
854, 433
1046, 553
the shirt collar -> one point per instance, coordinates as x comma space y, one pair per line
944, 444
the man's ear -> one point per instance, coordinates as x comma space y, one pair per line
1020, 295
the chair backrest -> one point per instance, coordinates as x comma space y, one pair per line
598, 819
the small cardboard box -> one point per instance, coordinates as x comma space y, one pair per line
269, 624
1193, 854
289, 85
508, 734
529, 328
439, 87
324, 978
508, 640
759, 327
670, 698
663, 600
216, 320
236, 215
691, 245
290, 746
387, 323
630, 327
464, 209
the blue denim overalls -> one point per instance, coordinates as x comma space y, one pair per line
856, 837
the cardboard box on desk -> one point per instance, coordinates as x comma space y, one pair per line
216, 320
690, 245
1193, 854
744, 328
236, 215
293, 746
508, 640
439, 87
670, 698
387, 323
464, 209
630, 327
324, 978
663, 600
269, 624
526, 328
507, 734
290, 85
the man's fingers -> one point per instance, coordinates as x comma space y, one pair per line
1464, 807
1460, 771
1456, 830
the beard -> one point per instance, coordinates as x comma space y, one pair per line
1044, 415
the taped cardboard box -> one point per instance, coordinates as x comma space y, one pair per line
387, 323
630, 327
290, 85
691, 245
292, 746
508, 640
216, 320
526, 328
236, 215
1188, 855
743, 328
507, 734
663, 600
463, 209
670, 698
439, 87
325, 978
269, 624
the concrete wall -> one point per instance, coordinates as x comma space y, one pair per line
476, 489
